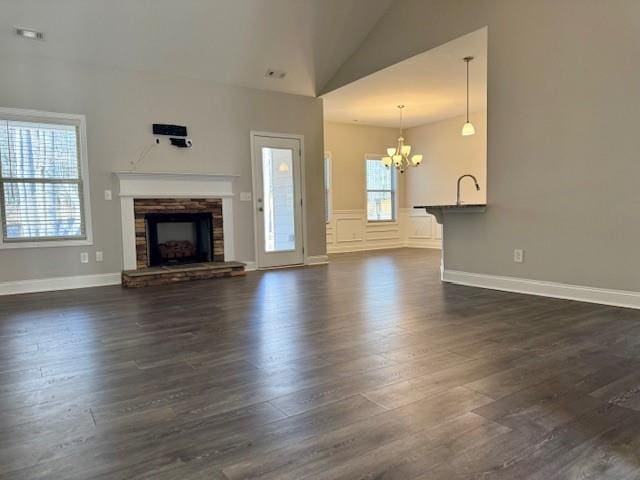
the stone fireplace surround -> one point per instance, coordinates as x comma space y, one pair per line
144, 206
178, 189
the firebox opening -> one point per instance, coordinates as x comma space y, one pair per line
178, 238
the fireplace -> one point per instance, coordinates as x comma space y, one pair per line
179, 238
174, 231
144, 194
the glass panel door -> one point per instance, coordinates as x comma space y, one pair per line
278, 196
277, 187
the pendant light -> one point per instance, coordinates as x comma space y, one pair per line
399, 156
468, 128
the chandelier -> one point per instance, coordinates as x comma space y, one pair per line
399, 156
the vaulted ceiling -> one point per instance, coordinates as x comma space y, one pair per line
226, 41
431, 85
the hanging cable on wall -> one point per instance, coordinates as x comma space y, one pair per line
136, 163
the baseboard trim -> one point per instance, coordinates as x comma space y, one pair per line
602, 296
316, 260
59, 283
433, 244
312, 260
250, 266
436, 245
363, 248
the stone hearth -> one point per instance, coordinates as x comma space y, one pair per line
182, 273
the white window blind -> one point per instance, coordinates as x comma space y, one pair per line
381, 195
327, 187
41, 182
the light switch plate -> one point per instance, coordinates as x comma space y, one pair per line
107, 195
84, 257
99, 256
245, 196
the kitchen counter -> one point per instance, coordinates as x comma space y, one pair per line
439, 211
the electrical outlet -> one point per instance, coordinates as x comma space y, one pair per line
518, 255
99, 256
84, 257
245, 196
107, 195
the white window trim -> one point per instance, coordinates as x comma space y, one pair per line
19, 114
329, 187
394, 196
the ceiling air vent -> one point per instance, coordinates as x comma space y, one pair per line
30, 34
279, 74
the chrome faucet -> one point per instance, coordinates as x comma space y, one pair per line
459, 180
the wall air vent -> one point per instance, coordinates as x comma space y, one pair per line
279, 74
28, 33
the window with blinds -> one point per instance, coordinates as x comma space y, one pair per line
327, 187
381, 191
41, 181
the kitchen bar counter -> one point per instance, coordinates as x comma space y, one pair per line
439, 211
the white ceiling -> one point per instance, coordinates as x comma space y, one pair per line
226, 41
431, 85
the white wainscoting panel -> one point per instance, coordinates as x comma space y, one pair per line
331, 234
421, 229
349, 231
349, 226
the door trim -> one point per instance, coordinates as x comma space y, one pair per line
303, 188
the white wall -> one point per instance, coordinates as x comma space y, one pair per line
120, 107
447, 155
563, 164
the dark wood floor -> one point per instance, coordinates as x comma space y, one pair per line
368, 368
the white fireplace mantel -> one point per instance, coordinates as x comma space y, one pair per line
172, 185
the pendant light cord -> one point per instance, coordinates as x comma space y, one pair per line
467, 60
468, 91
